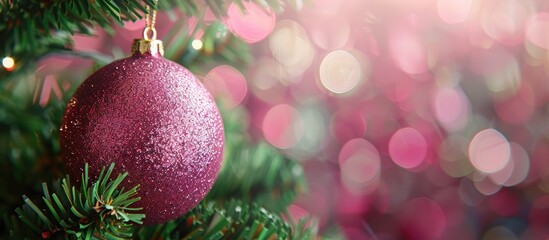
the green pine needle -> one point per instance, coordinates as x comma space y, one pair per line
99, 211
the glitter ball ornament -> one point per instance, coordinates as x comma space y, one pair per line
154, 120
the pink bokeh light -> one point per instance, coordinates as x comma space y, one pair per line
251, 24
227, 83
408, 148
407, 50
536, 29
451, 108
489, 151
283, 126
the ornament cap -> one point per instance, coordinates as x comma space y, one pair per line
154, 47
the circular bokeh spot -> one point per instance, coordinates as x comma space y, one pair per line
8, 63
291, 47
521, 165
228, 83
360, 164
536, 30
340, 72
251, 24
451, 108
408, 147
489, 151
283, 126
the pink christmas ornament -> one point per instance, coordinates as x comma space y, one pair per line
155, 120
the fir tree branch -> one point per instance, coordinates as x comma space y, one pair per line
33, 28
97, 211
230, 220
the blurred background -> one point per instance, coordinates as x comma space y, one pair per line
423, 119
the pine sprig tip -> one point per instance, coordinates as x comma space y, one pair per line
101, 210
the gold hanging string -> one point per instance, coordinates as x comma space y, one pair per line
150, 20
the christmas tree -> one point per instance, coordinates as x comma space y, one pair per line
351, 119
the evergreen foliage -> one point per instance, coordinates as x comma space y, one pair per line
230, 220
255, 186
93, 211
31, 29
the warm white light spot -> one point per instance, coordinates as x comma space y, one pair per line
8, 63
489, 151
340, 72
197, 44
291, 47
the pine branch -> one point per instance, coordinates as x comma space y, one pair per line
97, 211
33, 28
231, 220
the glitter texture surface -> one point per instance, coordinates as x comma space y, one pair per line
155, 120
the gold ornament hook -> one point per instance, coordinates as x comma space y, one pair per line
148, 31
149, 43
150, 21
